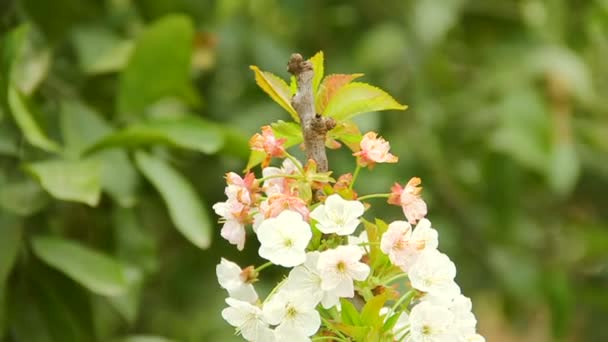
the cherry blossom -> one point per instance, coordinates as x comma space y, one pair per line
268, 143
414, 208
339, 267
232, 278
248, 319
306, 277
338, 215
294, 313
374, 150
404, 246
434, 273
431, 323
284, 239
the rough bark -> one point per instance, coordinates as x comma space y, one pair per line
314, 126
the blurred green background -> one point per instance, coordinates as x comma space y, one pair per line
118, 119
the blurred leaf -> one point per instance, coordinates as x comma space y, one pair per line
159, 66
328, 88
95, 271
357, 98
563, 168
127, 304
188, 132
11, 45
56, 18
8, 143
78, 181
24, 119
276, 88
566, 66
432, 20
81, 127
142, 338
134, 243
31, 64
317, 62
523, 130
10, 243
24, 197
561, 301
185, 207
100, 51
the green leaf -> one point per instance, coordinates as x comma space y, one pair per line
78, 181
564, 168
255, 158
276, 88
349, 313
159, 66
185, 206
25, 120
101, 51
81, 127
356, 98
187, 132
370, 314
288, 130
96, 271
348, 133
318, 69
329, 87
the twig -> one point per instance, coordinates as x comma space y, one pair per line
314, 126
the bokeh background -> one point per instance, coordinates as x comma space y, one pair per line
507, 126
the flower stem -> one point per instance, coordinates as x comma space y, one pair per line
407, 296
355, 174
363, 198
398, 276
263, 266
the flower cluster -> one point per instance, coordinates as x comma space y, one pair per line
348, 278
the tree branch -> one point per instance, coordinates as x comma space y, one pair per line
314, 126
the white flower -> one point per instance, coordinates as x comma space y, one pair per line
294, 313
248, 319
460, 306
434, 273
284, 239
431, 323
306, 278
230, 277
403, 247
474, 338
339, 267
338, 215
362, 239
